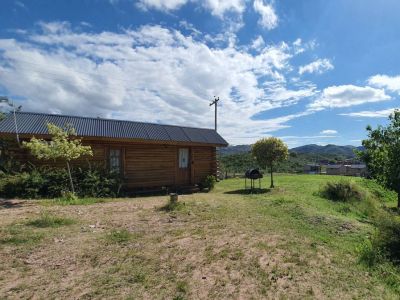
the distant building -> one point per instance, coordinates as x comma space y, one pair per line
312, 169
359, 170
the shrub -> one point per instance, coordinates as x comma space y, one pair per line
23, 185
209, 182
342, 191
387, 239
97, 183
46, 182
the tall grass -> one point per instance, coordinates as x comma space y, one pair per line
344, 190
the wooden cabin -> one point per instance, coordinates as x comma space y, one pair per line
146, 155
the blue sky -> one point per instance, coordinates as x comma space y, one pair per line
307, 71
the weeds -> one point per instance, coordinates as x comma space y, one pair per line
343, 190
47, 220
77, 201
121, 236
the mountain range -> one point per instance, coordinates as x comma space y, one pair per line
346, 151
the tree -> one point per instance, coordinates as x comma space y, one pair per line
382, 152
61, 147
268, 152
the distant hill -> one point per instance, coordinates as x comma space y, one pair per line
235, 149
331, 150
345, 151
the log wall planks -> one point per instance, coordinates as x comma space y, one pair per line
143, 165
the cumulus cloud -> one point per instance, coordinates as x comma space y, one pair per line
391, 83
216, 7
161, 4
220, 7
268, 18
370, 114
348, 95
328, 132
319, 66
151, 74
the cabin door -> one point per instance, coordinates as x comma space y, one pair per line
183, 177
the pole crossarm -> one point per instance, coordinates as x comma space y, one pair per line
215, 102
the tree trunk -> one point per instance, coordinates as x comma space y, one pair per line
272, 178
70, 178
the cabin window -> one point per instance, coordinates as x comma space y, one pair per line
183, 158
115, 160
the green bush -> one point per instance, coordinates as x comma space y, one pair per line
48, 182
387, 239
342, 191
209, 182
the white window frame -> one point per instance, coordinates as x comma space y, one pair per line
183, 158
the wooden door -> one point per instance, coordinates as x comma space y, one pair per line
183, 173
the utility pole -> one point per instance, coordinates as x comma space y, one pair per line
215, 102
4, 99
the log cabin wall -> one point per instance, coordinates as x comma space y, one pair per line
143, 165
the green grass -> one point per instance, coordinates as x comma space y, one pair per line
18, 235
48, 220
77, 201
119, 236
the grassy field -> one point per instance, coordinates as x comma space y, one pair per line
285, 243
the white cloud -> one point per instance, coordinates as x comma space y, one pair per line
319, 66
152, 74
370, 114
269, 19
328, 132
258, 43
161, 4
348, 95
220, 7
383, 81
216, 7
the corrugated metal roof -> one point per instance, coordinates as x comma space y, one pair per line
36, 123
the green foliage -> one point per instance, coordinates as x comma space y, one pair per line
22, 185
47, 220
343, 190
369, 254
209, 182
60, 147
270, 151
97, 182
48, 182
240, 162
387, 240
382, 152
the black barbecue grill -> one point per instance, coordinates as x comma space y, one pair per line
252, 174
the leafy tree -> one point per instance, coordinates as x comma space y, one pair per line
268, 152
61, 147
382, 153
